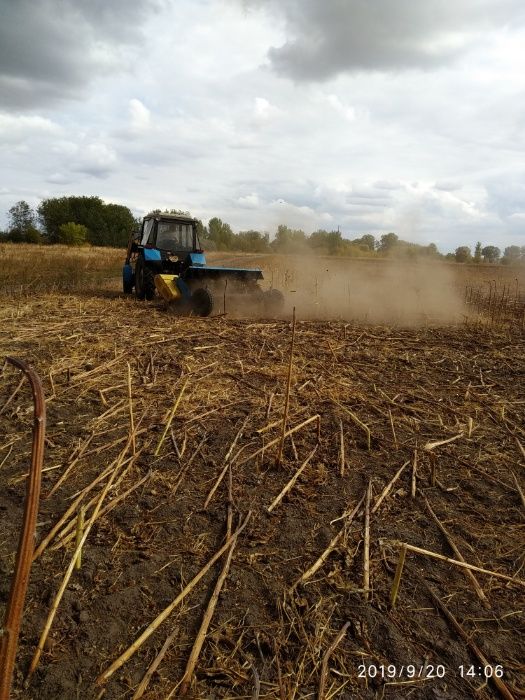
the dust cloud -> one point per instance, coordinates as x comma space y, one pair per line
381, 292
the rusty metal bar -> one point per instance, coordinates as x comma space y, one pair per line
13, 615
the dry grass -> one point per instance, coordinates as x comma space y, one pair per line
31, 269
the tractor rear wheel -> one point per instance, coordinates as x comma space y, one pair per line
202, 302
144, 281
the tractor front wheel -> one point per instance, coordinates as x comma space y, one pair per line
144, 281
202, 302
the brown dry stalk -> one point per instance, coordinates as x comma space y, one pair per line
79, 533
279, 456
227, 458
498, 682
69, 468
317, 418
154, 665
341, 449
413, 486
518, 488
69, 570
110, 445
388, 487
201, 635
520, 447
13, 395
331, 546
72, 508
358, 422
432, 445
65, 538
468, 573
170, 418
169, 609
397, 576
326, 658
392, 428
366, 544
131, 421
463, 564
292, 481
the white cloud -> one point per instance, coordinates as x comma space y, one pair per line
263, 110
345, 111
15, 129
139, 115
96, 159
250, 201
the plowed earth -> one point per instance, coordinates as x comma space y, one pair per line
267, 638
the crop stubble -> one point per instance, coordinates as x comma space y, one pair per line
384, 394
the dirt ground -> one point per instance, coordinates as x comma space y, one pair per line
385, 393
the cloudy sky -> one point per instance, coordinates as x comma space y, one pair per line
371, 115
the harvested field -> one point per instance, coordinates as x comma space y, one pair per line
410, 435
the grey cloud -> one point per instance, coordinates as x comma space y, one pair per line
51, 49
506, 198
329, 38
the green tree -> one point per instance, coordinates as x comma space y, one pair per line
252, 241
22, 221
288, 240
491, 253
388, 242
202, 231
220, 233
511, 255
463, 254
72, 234
119, 222
477, 252
368, 241
107, 224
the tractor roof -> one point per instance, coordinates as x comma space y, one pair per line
171, 217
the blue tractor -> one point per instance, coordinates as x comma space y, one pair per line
166, 258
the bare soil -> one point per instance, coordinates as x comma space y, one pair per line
267, 639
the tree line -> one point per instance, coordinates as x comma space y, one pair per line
90, 221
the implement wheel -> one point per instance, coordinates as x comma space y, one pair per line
202, 302
144, 281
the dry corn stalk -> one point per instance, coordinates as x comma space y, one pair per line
366, 544
292, 481
317, 418
69, 570
326, 658
170, 418
201, 636
331, 546
432, 445
448, 537
358, 422
279, 456
463, 564
169, 609
397, 576
388, 487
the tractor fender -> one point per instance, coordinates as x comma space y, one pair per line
151, 255
183, 288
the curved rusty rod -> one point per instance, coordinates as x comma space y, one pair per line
13, 615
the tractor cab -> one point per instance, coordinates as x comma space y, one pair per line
173, 234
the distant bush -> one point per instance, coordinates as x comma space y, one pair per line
72, 234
